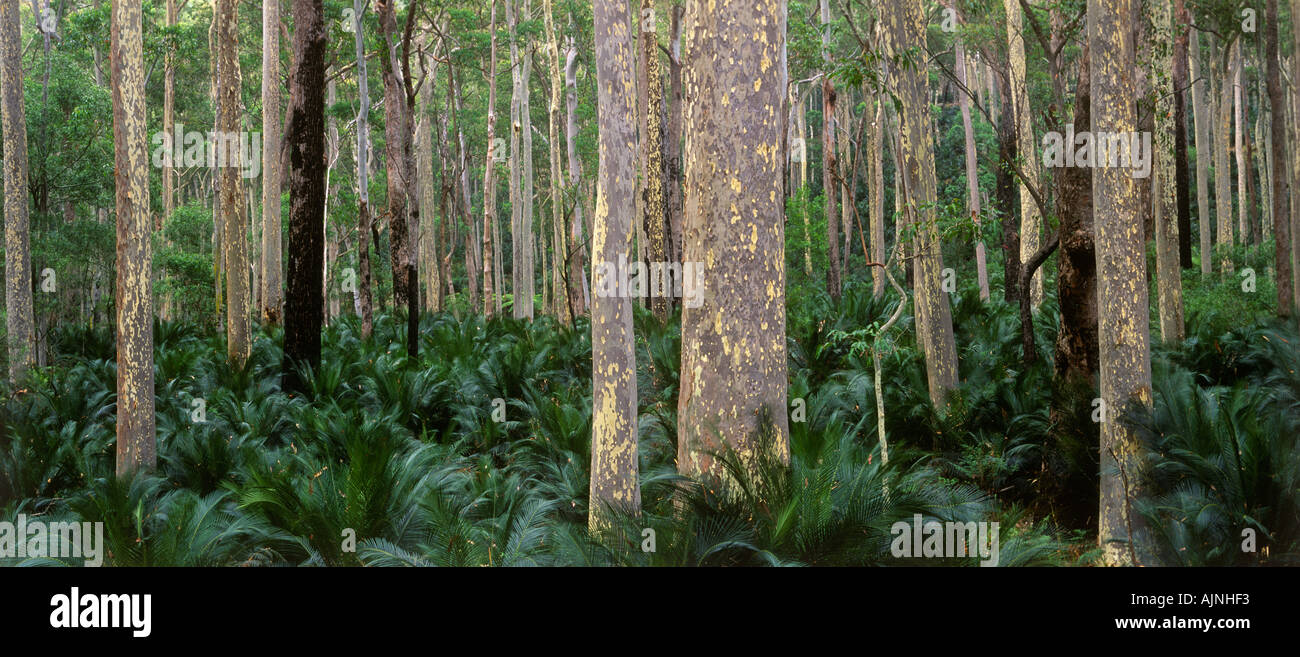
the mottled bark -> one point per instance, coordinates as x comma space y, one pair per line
614, 480
136, 447
19, 322
272, 289
302, 313
673, 139
733, 392
1125, 357
654, 211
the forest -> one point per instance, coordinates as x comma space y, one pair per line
650, 283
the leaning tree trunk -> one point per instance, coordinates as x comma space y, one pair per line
235, 241
733, 390
1125, 357
302, 313
614, 484
19, 322
136, 448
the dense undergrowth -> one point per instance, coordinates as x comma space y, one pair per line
409, 456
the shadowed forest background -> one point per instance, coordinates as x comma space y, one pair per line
338, 283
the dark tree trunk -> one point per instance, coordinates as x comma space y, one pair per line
303, 312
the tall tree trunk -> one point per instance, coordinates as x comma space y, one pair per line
655, 214
904, 31
363, 178
235, 242
1076, 359
673, 140
302, 313
1125, 356
272, 290
521, 247
398, 130
557, 177
19, 323
1222, 167
1281, 191
136, 447
489, 177
1201, 117
577, 274
1295, 156
876, 191
1239, 143
1182, 22
614, 483
430, 247
830, 169
472, 249
1030, 220
169, 125
733, 390
1168, 271
972, 171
